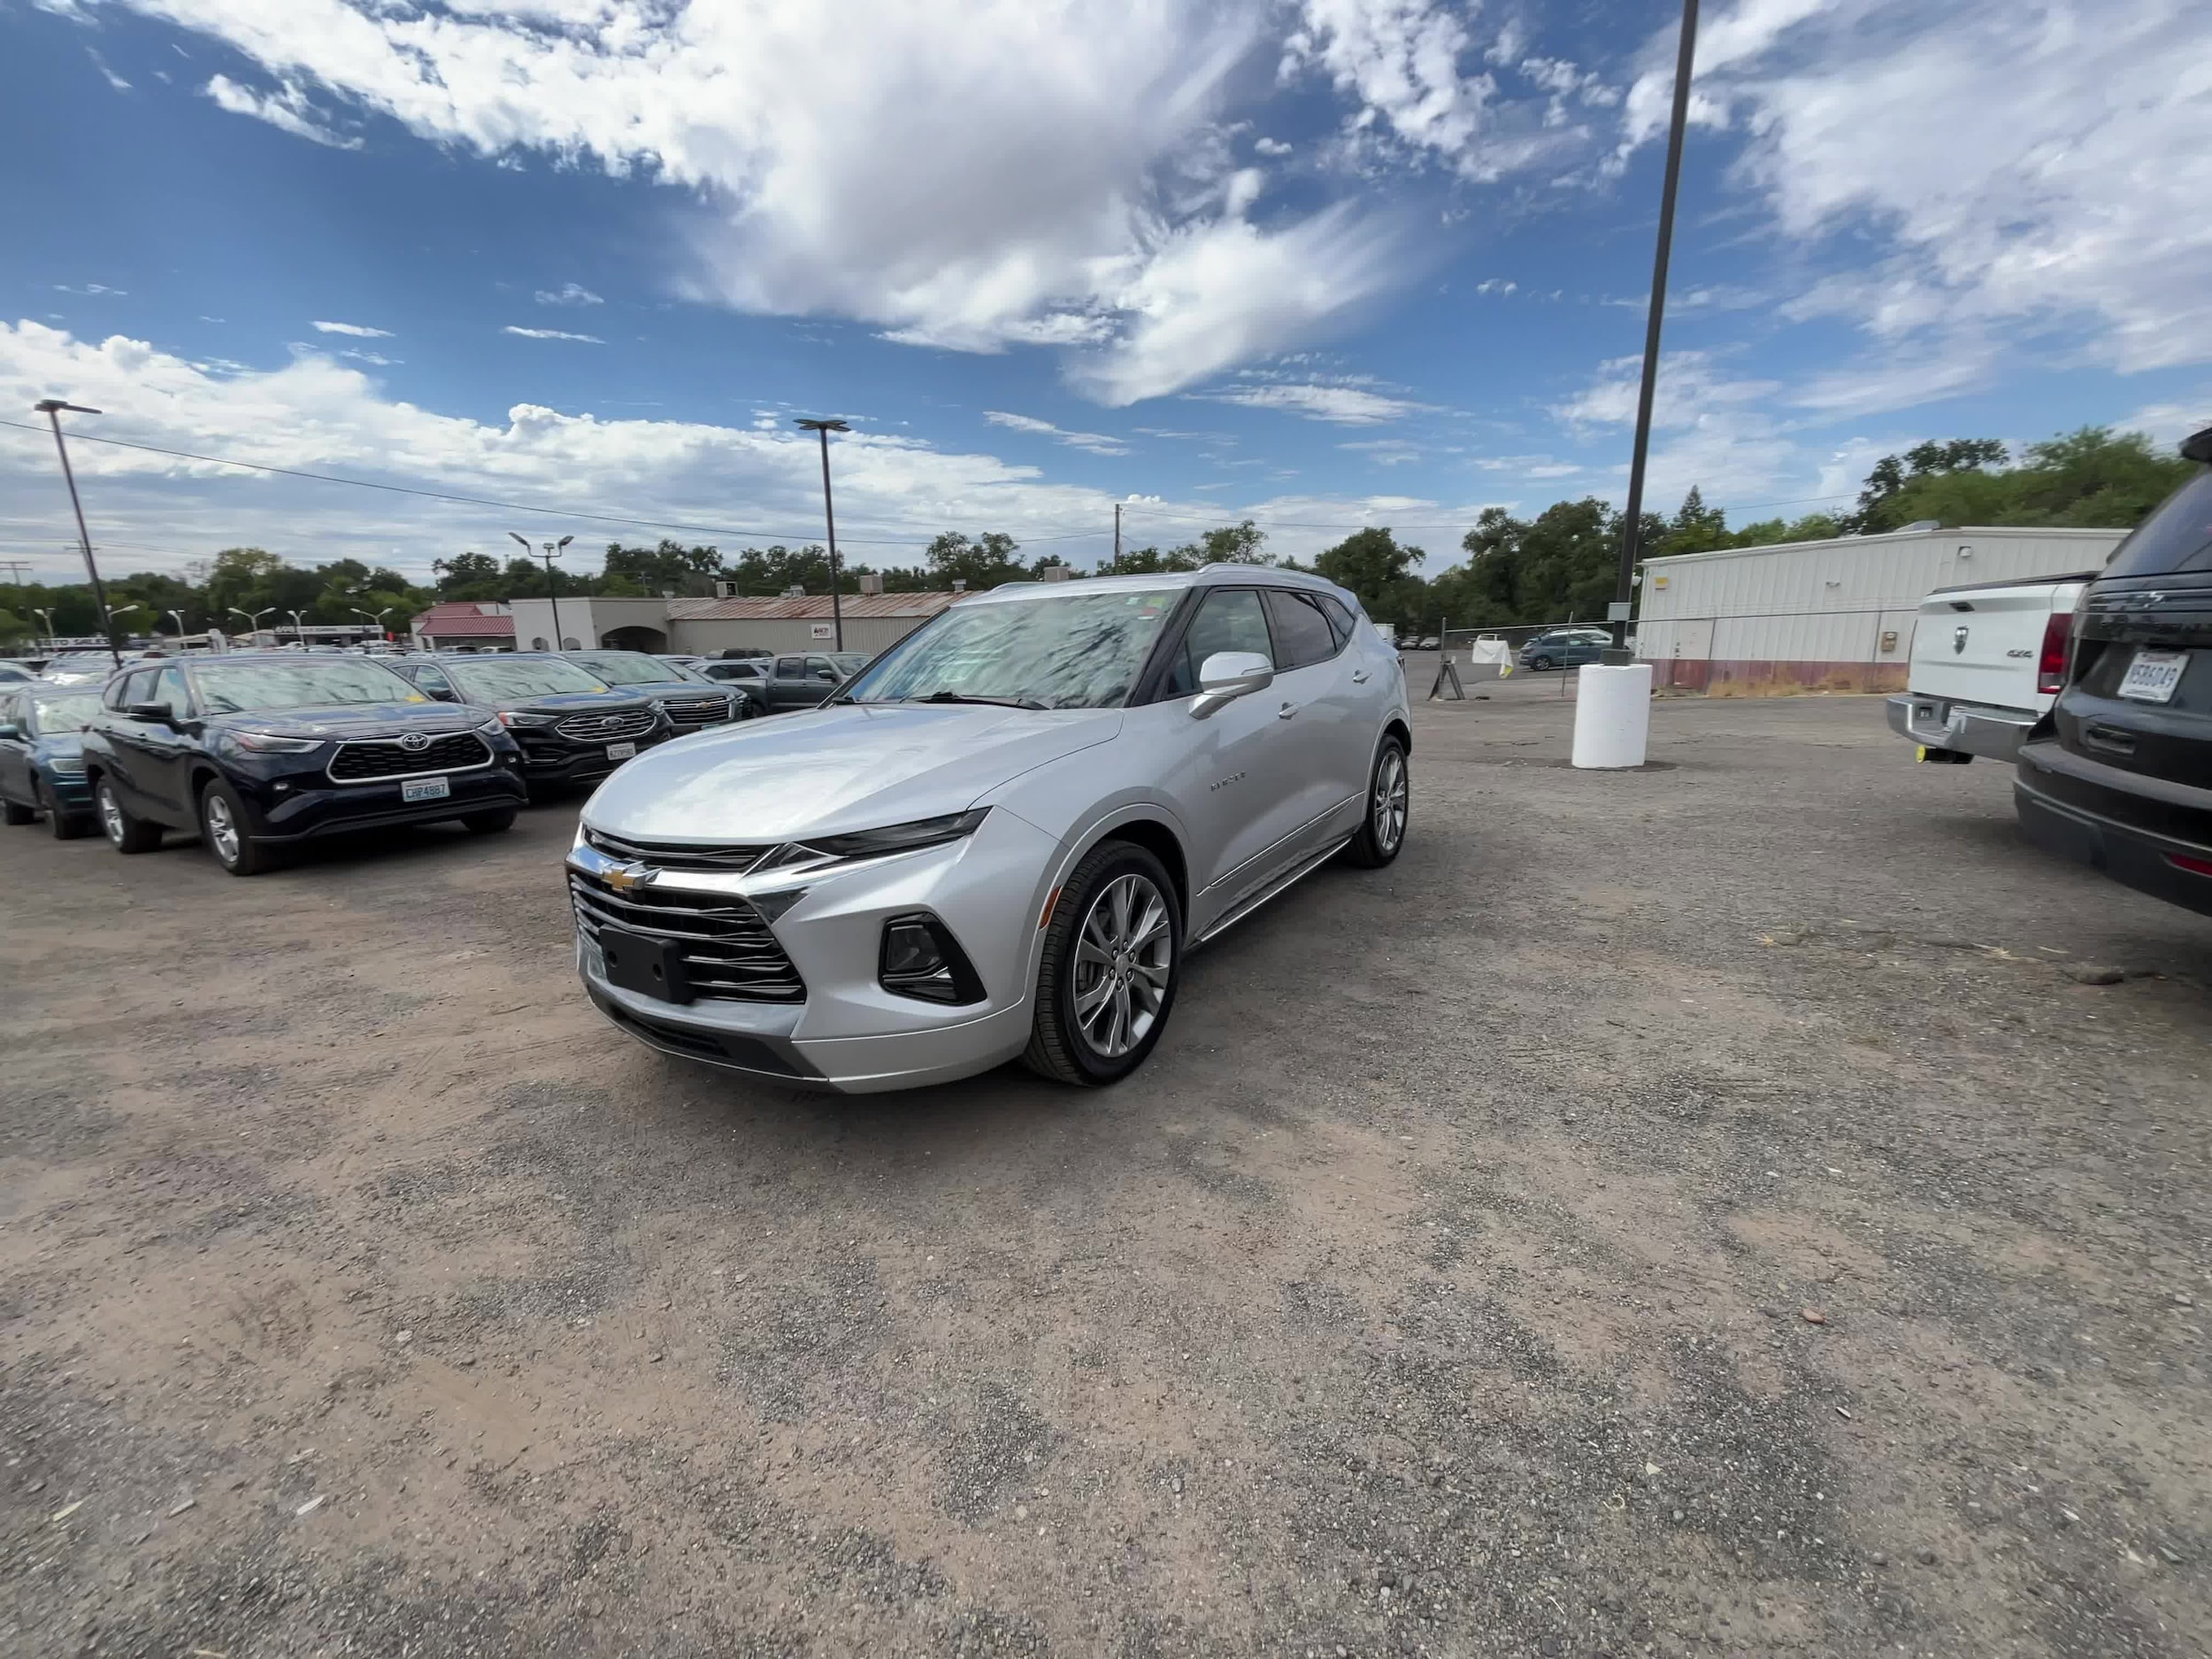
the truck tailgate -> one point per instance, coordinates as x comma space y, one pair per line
1980, 645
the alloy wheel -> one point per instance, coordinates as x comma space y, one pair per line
1388, 807
1124, 952
111, 814
222, 828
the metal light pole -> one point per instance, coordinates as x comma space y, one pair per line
179, 615
829, 517
253, 618
53, 408
552, 589
299, 630
1632, 532
46, 616
116, 610
376, 617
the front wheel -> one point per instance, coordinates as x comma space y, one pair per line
14, 813
1541, 665
67, 826
1112, 954
124, 833
1383, 831
223, 826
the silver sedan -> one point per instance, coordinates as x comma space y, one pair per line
1000, 839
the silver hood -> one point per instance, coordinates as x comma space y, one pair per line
836, 770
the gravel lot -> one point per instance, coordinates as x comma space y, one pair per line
1690, 1211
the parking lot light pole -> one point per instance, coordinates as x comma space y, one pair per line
179, 615
46, 617
552, 589
1632, 529
376, 617
53, 409
823, 428
253, 618
299, 630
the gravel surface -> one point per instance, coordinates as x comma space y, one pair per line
1705, 1209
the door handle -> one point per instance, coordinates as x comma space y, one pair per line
1286, 710
1360, 678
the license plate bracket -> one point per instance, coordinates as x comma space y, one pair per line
652, 967
425, 788
621, 751
2154, 676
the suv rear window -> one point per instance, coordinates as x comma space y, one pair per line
2175, 537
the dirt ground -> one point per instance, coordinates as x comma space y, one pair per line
1684, 1211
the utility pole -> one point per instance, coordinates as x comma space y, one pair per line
15, 569
552, 589
53, 408
1631, 532
823, 428
1116, 535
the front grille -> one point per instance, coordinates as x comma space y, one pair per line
699, 711
601, 729
672, 855
729, 953
362, 760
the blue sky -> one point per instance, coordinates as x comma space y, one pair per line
1321, 262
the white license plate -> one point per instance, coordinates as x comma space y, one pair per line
424, 788
620, 751
2154, 676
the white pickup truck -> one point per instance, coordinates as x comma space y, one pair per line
1987, 663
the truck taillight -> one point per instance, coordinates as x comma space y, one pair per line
2058, 649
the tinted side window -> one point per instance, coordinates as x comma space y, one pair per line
1302, 634
169, 689
1339, 620
1230, 619
138, 688
822, 668
2176, 537
433, 679
791, 668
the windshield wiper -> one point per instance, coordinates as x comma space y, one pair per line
1003, 703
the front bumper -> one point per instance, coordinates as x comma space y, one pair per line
557, 760
69, 791
1965, 728
849, 1034
304, 806
2130, 828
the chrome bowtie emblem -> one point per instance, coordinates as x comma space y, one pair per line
414, 743
1958, 640
629, 877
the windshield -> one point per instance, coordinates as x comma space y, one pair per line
522, 677
628, 668
2176, 537
849, 662
1068, 651
232, 688
63, 710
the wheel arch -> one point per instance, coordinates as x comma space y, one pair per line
1157, 838
1396, 727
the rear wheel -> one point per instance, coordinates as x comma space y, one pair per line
1383, 831
124, 833
67, 826
1540, 663
489, 823
1112, 955
223, 826
16, 812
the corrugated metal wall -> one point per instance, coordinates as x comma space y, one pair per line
1831, 615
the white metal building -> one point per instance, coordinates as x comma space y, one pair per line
1827, 616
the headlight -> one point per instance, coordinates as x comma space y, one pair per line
488, 722
270, 743
66, 766
898, 838
513, 716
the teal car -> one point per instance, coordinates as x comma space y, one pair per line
1565, 648
41, 762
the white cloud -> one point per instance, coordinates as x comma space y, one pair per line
90, 290
358, 331
1346, 406
1095, 443
552, 334
107, 74
1270, 147
569, 294
2169, 423
285, 108
373, 357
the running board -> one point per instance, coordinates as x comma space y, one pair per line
1237, 912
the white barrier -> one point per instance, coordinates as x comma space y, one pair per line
1612, 716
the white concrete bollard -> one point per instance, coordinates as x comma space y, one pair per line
1612, 716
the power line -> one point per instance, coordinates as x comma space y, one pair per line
507, 506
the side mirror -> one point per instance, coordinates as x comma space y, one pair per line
157, 712
439, 693
9, 731
1227, 675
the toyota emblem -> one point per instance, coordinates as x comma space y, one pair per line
1958, 640
414, 743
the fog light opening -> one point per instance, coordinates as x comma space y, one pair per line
920, 958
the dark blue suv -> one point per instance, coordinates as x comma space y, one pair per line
257, 752
1565, 648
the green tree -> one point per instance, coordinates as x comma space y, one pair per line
1696, 528
1374, 566
671, 567
468, 576
983, 563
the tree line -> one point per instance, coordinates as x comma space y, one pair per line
1556, 566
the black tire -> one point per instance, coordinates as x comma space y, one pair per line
14, 813
1382, 829
489, 823
1541, 665
747, 709
126, 835
229, 834
66, 827
1060, 1046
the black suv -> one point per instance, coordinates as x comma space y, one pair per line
692, 700
255, 751
574, 727
2119, 774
